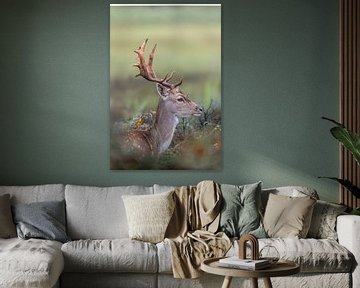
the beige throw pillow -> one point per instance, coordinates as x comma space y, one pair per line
149, 215
7, 226
288, 217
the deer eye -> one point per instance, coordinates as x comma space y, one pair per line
180, 99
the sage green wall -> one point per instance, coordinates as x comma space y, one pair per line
280, 75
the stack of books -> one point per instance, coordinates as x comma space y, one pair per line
248, 264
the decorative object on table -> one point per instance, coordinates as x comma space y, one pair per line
351, 141
269, 253
185, 131
259, 259
241, 261
254, 246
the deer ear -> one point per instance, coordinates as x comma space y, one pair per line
162, 90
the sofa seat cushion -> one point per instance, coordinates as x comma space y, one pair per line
115, 255
313, 255
164, 257
30, 263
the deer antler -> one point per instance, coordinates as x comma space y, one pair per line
146, 69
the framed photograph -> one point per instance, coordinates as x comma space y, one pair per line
165, 87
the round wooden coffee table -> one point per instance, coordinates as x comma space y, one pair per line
281, 268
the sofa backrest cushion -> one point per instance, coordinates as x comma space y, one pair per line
37, 193
292, 191
98, 213
163, 188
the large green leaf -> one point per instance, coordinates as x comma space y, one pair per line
355, 211
347, 184
348, 138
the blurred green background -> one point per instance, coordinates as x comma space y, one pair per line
188, 42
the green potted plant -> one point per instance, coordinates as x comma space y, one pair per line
351, 142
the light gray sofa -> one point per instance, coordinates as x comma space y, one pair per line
101, 254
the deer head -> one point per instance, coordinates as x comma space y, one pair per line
174, 100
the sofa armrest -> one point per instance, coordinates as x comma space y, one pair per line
348, 230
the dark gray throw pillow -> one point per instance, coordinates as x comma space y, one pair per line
240, 213
44, 220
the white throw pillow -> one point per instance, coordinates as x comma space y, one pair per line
149, 215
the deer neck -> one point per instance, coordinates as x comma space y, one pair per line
164, 126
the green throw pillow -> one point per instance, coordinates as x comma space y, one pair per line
240, 213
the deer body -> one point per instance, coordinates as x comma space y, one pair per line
164, 126
155, 140
172, 105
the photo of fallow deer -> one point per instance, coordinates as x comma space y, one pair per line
161, 120
173, 104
